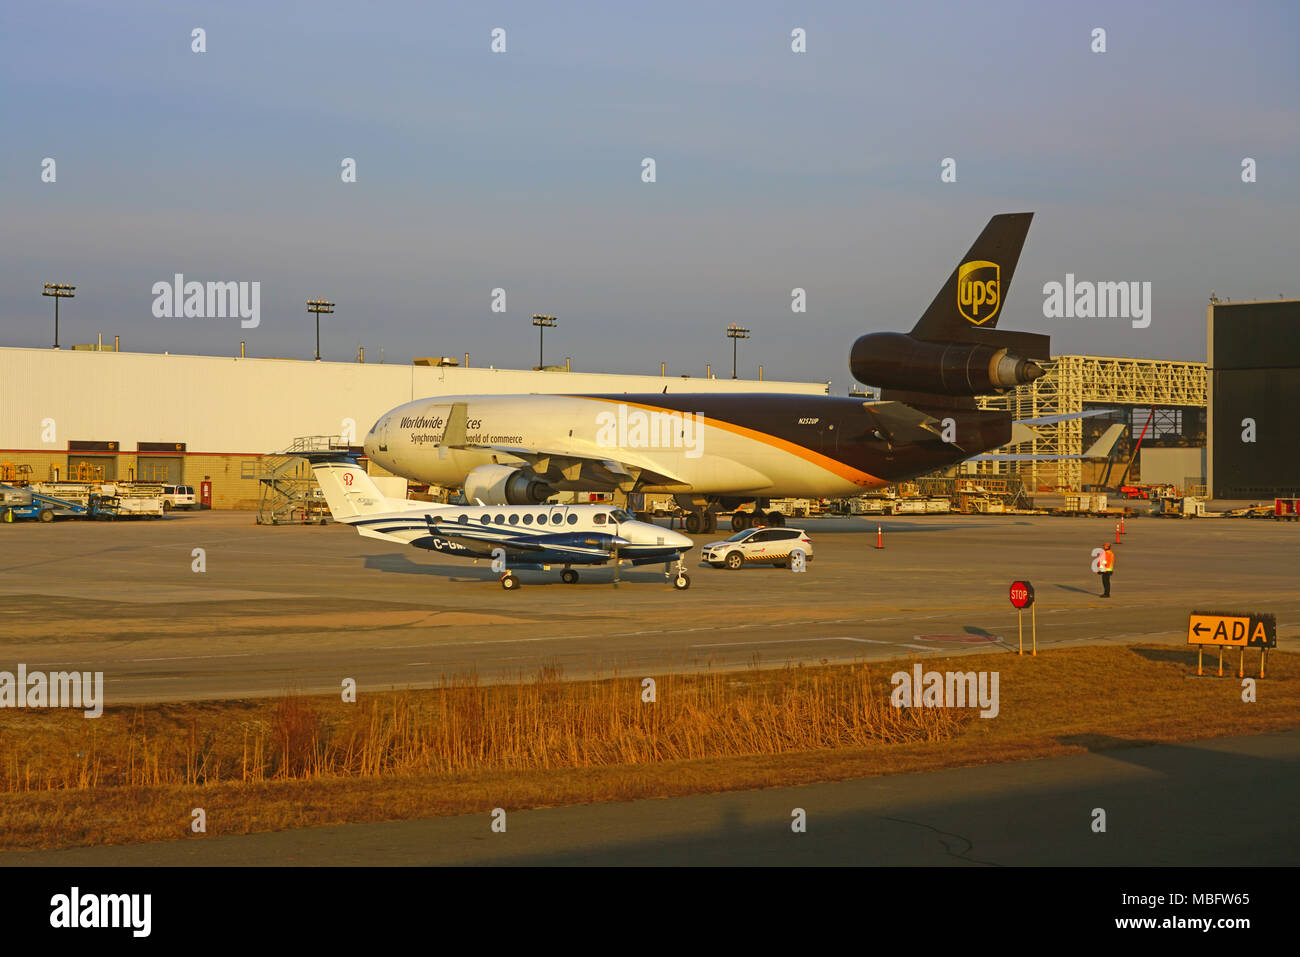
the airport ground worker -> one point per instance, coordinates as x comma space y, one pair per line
1105, 565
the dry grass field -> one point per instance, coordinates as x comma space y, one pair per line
137, 773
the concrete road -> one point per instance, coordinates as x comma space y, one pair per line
1231, 801
303, 607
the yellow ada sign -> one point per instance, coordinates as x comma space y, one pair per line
1237, 631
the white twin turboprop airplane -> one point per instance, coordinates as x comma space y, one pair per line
533, 536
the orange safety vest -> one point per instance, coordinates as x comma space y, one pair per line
1107, 560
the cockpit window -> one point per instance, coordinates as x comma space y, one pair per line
622, 515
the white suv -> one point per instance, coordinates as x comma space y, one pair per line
759, 546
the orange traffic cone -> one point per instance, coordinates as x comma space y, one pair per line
880, 541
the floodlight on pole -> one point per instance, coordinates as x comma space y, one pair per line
735, 333
542, 323
318, 306
59, 291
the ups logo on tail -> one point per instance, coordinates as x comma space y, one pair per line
979, 291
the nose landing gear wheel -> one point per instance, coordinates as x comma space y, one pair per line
682, 582
569, 576
509, 582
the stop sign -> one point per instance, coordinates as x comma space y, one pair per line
1022, 594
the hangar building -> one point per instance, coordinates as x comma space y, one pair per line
106, 415
1254, 357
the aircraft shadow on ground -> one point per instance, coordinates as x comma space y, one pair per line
467, 572
1039, 825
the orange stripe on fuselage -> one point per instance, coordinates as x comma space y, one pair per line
834, 466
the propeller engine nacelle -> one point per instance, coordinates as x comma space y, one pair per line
895, 360
505, 485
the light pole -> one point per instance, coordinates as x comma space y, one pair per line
542, 322
59, 291
735, 333
318, 306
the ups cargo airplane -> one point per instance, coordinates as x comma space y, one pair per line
722, 452
537, 536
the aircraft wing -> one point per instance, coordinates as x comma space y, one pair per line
469, 541
1099, 450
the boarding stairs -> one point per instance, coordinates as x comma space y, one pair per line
287, 489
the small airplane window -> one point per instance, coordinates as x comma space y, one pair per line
463, 519
514, 519
599, 519
485, 519
573, 519
557, 518
501, 519
541, 519
528, 520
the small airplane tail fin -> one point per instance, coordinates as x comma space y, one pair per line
349, 490
973, 295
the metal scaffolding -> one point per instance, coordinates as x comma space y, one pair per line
1073, 382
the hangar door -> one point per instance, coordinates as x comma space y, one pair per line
92, 461
161, 462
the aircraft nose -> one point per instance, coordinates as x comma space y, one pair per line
677, 540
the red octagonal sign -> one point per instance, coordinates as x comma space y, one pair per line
1022, 594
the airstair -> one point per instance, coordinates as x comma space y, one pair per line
287, 489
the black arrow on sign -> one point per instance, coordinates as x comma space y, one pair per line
1200, 628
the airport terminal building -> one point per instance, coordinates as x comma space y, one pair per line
99, 415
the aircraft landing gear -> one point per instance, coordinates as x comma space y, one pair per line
701, 522
509, 582
569, 576
776, 519
740, 521
675, 572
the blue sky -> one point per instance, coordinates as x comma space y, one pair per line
522, 171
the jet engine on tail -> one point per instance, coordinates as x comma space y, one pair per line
956, 349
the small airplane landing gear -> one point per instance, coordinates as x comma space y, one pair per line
675, 572
509, 582
569, 576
